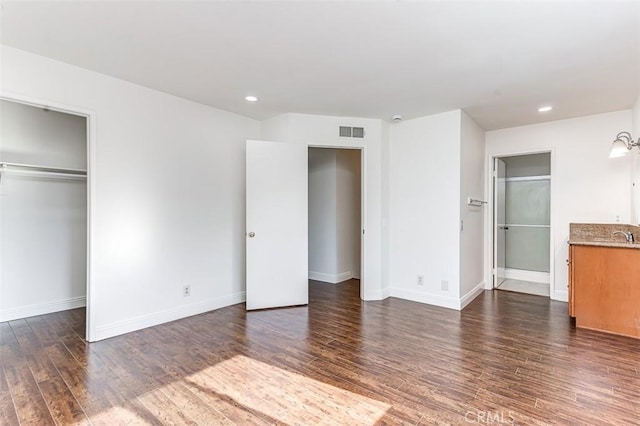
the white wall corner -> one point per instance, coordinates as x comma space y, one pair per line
42, 308
472, 294
172, 314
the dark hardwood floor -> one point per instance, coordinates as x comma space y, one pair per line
508, 358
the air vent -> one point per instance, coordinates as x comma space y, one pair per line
345, 132
351, 132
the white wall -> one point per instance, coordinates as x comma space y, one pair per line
276, 129
587, 186
472, 142
386, 213
424, 208
636, 119
348, 212
316, 130
322, 215
42, 218
167, 194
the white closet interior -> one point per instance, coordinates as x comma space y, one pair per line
43, 211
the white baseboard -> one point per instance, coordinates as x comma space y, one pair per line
471, 295
42, 308
156, 318
386, 292
533, 276
377, 294
428, 298
330, 278
561, 296
439, 300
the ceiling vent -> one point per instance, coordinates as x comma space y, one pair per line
351, 132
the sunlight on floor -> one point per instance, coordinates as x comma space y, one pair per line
286, 396
117, 415
242, 390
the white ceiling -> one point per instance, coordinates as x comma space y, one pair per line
497, 60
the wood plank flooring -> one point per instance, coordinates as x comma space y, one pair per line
508, 358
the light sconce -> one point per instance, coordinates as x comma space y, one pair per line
622, 145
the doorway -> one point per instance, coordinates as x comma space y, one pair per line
44, 210
522, 223
335, 216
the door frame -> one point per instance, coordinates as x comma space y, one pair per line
90, 116
489, 232
363, 204
494, 225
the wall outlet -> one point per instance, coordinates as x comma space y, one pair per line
186, 291
420, 280
444, 285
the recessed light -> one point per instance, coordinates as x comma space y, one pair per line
251, 99
545, 109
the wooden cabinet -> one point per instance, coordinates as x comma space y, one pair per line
604, 288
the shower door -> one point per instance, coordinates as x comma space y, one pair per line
500, 227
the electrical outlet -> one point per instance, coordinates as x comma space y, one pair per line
186, 291
444, 285
420, 279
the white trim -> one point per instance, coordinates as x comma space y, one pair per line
92, 161
330, 278
42, 308
428, 298
521, 274
172, 314
472, 294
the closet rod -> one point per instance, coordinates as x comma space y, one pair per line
79, 172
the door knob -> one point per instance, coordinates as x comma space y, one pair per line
252, 234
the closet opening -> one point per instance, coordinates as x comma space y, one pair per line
522, 223
44, 196
335, 218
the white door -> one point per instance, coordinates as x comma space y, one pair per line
500, 227
277, 225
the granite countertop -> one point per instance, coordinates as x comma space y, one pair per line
605, 244
601, 235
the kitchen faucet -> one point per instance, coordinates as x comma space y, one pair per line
627, 235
